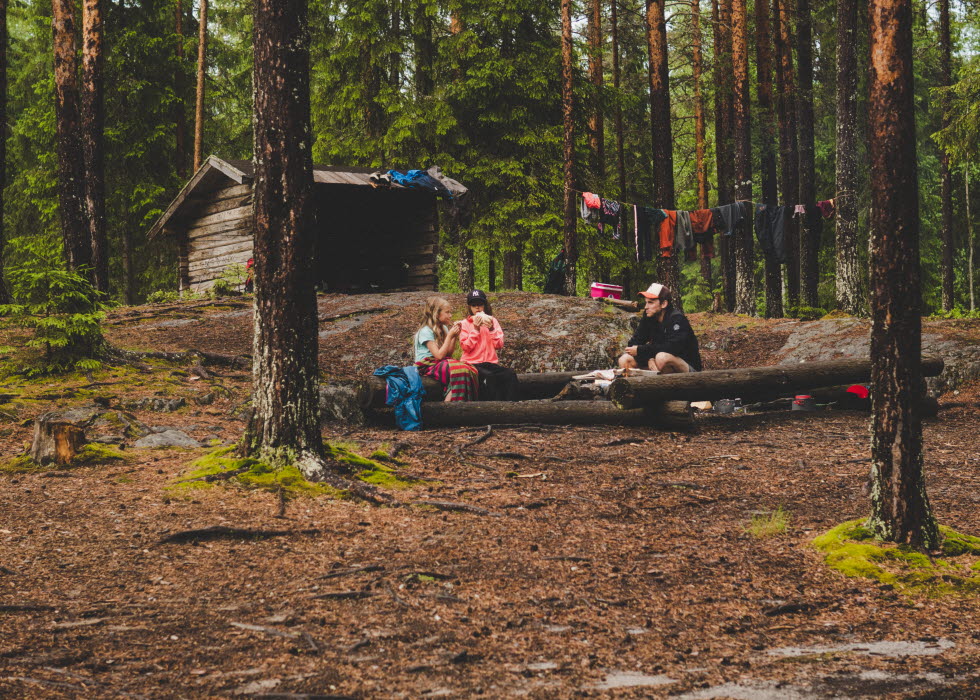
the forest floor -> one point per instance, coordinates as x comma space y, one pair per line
592, 562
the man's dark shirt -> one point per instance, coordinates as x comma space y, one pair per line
673, 335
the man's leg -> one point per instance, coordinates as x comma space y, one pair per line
670, 364
627, 361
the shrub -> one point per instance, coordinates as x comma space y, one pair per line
64, 310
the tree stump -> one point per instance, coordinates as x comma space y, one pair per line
55, 440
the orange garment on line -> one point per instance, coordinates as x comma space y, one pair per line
701, 220
668, 230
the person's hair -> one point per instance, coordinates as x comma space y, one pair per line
486, 308
666, 297
433, 306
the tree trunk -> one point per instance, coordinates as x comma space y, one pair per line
742, 126
700, 165
129, 267
464, 254
620, 151
491, 268
945, 176
569, 222
71, 165
789, 158
4, 290
597, 145
202, 43
180, 117
748, 383
93, 141
668, 269
900, 510
285, 421
724, 114
513, 266
809, 242
424, 50
56, 441
767, 134
848, 272
969, 227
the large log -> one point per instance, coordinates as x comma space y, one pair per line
749, 384
671, 415
539, 385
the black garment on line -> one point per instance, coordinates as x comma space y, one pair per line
813, 222
726, 217
496, 383
648, 231
770, 229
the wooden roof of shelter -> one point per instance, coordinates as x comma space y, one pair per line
215, 170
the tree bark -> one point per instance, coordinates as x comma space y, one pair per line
597, 141
424, 50
4, 290
744, 254
945, 176
848, 272
464, 254
129, 267
767, 134
668, 268
71, 165
93, 140
569, 222
620, 150
202, 43
969, 227
285, 421
789, 162
700, 163
900, 510
724, 115
809, 242
180, 117
748, 383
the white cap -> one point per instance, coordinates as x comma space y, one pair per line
653, 291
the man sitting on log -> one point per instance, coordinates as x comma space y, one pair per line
664, 340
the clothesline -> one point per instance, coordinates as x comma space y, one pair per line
683, 231
737, 201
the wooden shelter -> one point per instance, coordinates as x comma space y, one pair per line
368, 239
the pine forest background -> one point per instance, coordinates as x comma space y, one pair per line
474, 87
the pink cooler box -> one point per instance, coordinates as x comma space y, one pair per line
599, 290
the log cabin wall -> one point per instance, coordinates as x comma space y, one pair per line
219, 234
367, 239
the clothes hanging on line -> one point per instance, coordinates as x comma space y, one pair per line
703, 234
610, 214
667, 232
770, 229
727, 217
827, 208
684, 239
648, 222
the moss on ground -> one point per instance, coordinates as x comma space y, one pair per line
284, 479
852, 549
91, 454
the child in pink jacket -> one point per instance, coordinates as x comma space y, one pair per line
480, 336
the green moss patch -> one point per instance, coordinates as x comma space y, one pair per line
284, 479
91, 454
852, 549
367, 469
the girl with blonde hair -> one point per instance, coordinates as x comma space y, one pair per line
434, 344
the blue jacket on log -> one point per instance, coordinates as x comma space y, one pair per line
405, 394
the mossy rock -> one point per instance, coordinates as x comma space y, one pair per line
852, 549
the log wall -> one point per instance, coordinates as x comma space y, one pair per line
369, 240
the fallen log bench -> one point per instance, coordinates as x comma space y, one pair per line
531, 386
749, 384
669, 415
